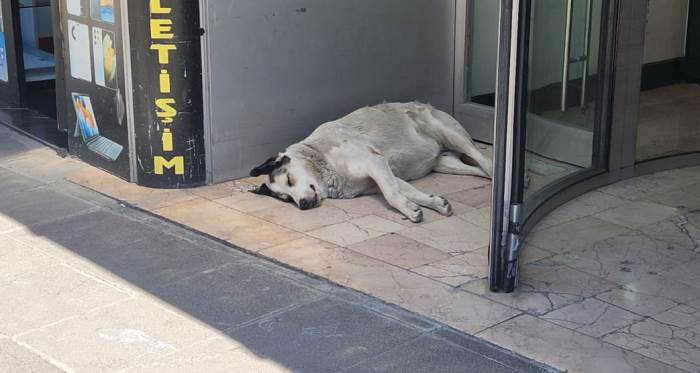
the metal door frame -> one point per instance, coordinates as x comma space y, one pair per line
511, 219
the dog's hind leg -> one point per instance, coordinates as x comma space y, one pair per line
456, 138
380, 172
432, 202
449, 163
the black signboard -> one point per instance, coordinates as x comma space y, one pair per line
94, 83
167, 73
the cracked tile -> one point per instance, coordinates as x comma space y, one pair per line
672, 337
530, 253
688, 273
206, 216
229, 225
683, 199
622, 259
575, 235
356, 230
249, 202
452, 235
291, 217
478, 197
376, 205
480, 217
663, 287
592, 317
399, 251
260, 235
638, 214
581, 207
639, 303
568, 350
443, 184
545, 286
460, 269
214, 192
677, 238
459, 309
640, 187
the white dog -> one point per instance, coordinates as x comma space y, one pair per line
373, 149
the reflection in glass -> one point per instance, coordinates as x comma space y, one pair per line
561, 122
669, 121
669, 107
483, 51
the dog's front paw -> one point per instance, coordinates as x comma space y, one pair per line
444, 207
416, 216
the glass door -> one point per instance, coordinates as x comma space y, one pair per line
11, 61
550, 106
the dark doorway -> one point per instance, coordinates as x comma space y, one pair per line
36, 113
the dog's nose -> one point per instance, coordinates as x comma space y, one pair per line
306, 204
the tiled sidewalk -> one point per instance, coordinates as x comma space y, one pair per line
90, 285
607, 280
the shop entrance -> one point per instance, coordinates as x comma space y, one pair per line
29, 69
36, 25
550, 115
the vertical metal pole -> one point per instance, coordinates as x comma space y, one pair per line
567, 53
503, 125
587, 55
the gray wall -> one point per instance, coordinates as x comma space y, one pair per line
279, 68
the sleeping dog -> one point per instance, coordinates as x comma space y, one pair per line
375, 149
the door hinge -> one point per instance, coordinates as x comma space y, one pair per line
513, 244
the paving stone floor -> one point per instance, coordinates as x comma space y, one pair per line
609, 281
91, 285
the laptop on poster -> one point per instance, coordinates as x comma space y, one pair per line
87, 124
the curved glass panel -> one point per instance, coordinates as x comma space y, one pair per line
563, 93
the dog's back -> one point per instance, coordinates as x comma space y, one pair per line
401, 132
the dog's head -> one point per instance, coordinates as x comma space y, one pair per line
290, 179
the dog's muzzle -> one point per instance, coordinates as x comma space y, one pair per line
308, 203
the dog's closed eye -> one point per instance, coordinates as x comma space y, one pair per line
290, 181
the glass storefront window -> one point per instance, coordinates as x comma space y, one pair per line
669, 106
561, 112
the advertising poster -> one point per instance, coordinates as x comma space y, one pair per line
87, 126
4, 75
102, 10
95, 85
75, 8
79, 51
105, 58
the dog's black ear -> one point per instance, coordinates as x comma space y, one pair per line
264, 190
269, 166
265, 168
